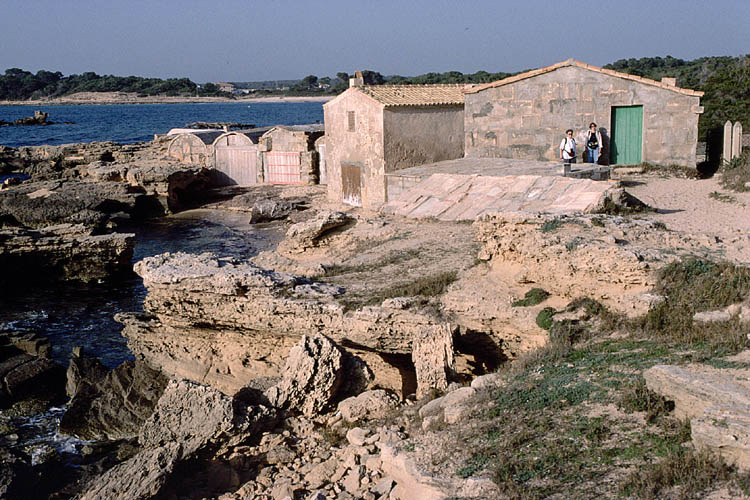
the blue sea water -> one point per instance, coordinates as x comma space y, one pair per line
129, 123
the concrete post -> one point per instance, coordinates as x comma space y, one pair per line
736, 140
726, 151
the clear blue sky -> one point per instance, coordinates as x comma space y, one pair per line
250, 40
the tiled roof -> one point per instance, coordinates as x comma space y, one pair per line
579, 64
415, 95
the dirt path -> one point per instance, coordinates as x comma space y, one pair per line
697, 206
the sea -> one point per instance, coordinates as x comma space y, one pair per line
82, 314
129, 123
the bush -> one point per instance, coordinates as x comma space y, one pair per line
735, 174
544, 318
533, 297
696, 285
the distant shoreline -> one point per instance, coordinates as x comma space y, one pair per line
104, 98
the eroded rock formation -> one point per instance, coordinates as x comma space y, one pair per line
62, 252
223, 322
110, 405
188, 419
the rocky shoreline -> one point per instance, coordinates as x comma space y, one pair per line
331, 366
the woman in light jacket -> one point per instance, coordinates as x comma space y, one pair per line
568, 148
593, 143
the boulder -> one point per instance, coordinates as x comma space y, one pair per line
195, 415
44, 203
62, 252
270, 209
305, 235
187, 420
451, 399
26, 370
434, 361
110, 405
717, 402
367, 405
311, 378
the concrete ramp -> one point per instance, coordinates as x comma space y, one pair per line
455, 197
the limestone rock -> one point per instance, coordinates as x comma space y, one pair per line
187, 420
282, 490
716, 400
486, 381
307, 234
45, 203
107, 172
726, 430
370, 404
451, 399
356, 436
270, 209
24, 372
617, 198
694, 388
741, 311
195, 415
63, 252
175, 185
139, 478
434, 360
225, 322
312, 376
110, 405
321, 473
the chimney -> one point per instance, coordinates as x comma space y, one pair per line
669, 81
357, 80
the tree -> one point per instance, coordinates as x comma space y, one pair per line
309, 82
372, 77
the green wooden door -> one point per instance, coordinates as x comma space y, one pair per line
627, 135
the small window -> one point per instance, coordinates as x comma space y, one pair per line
350, 116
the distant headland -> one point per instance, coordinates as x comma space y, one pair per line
133, 98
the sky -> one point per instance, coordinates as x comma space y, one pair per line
233, 40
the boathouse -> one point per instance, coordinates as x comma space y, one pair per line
375, 129
288, 154
525, 116
236, 157
194, 147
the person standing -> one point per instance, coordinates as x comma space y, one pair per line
568, 148
593, 143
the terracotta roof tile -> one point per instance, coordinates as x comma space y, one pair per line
415, 95
573, 62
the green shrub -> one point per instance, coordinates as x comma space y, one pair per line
551, 225
531, 298
544, 318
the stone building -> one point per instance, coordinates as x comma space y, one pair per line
372, 130
288, 155
525, 116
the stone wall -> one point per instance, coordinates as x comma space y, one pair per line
527, 119
363, 147
415, 136
286, 140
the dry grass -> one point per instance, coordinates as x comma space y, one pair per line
537, 436
735, 175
